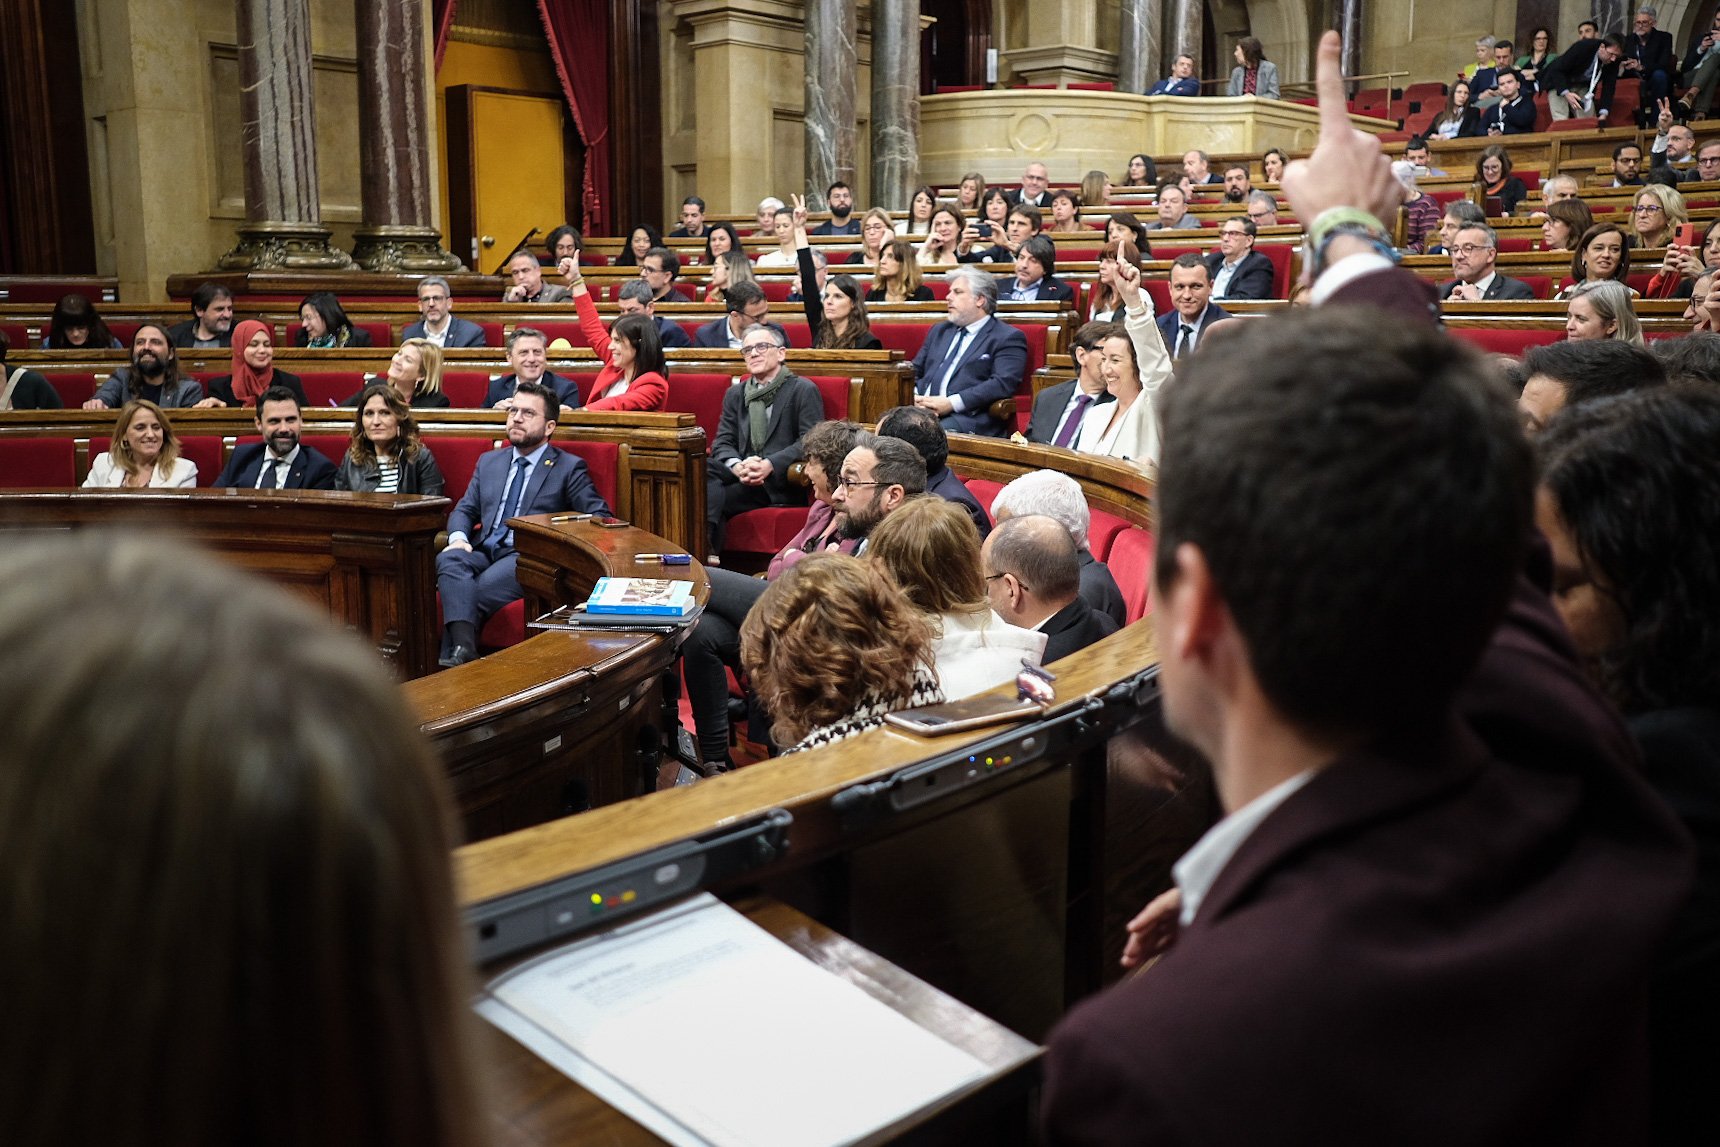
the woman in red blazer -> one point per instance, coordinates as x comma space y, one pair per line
635, 373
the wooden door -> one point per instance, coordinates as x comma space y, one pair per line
511, 169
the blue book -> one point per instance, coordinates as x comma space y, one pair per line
641, 597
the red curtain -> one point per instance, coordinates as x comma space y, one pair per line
442, 12
578, 32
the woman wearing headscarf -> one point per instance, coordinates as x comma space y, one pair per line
253, 369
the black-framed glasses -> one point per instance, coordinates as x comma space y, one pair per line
853, 484
989, 578
758, 348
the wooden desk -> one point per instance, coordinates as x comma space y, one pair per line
537, 1106
368, 559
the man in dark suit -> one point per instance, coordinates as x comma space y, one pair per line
1514, 114
475, 573
1474, 250
1580, 81
692, 219
1236, 269
1060, 497
1033, 579
528, 354
1036, 275
211, 321
1034, 189
1650, 56
970, 360
1197, 169
758, 437
439, 323
1192, 309
920, 428
1059, 409
279, 461
634, 298
747, 307
1353, 734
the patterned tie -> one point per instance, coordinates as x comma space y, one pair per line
516, 490
1184, 338
1072, 424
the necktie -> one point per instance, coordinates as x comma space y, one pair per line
1185, 338
951, 361
1072, 424
270, 474
511, 500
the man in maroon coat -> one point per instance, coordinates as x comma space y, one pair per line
1430, 914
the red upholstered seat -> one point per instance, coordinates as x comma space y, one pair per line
984, 490
28, 462
1504, 340
493, 334
602, 460
17, 335
1516, 244
50, 291
777, 290
1530, 177
1541, 285
74, 387
1448, 195
1078, 253
700, 395
1131, 563
1280, 255
466, 388
763, 531
834, 391
205, 451
331, 387
457, 458
906, 337
1103, 529
124, 331
507, 626
799, 334
330, 446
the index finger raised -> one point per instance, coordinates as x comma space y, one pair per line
1329, 88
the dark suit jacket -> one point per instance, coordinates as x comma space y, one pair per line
309, 471
1656, 53
1041, 201
1502, 287
1074, 627
990, 369
1253, 277
461, 332
1048, 407
558, 484
1571, 71
222, 388
672, 334
1051, 289
950, 488
566, 389
1512, 119
798, 408
1171, 320
714, 335
1100, 591
182, 334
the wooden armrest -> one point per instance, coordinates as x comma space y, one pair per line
796, 475
1003, 410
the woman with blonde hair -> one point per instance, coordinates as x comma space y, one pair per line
1602, 310
384, 454
898, 279
415, 373
1095, 189
1656, 214
730, 269
831, 646
143, 452
930, 548
1134, 369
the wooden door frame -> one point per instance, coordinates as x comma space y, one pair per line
462, 162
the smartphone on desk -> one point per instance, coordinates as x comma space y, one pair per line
610, 523
961, 716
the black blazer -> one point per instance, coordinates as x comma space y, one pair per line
222, 388
922, 294
1511, 119
1656, 53
1051, 289
419, 476
309, 471
1253, 277
714, 335
798, 408
1048, 407
1100, 591
812, 302
1074, 627
1571, 70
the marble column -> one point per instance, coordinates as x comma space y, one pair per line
1350, 27
283, 217
1614, 15
832, 63
393, 130
895, 102
1138, 45
1185, 36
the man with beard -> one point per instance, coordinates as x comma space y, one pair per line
278, 462
1236, 184
842, 222
528, 476
153, 374
212, 321
878, 475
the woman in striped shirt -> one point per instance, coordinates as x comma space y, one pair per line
384, 454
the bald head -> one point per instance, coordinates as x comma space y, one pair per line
1033, 568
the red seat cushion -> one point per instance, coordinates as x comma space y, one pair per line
1103, 529
466, 388
602, 461
26, 462
1508, 340
763, 531
74, 387
984, 490
834, 391
558, 329
205, 451
124, 331
507, 626
906, 337
777, 290
457, 458
331, 387
1131, 564
700, 395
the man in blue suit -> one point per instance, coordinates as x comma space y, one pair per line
1236, 269
971, 360
1192, 310
529, 476
440, 325
290, 466
528, 354
1180, 82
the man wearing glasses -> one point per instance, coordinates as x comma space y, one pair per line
1262, 209
878, 475
1473, 252
440, 324
1674, 146
1238, 271
758, 438
475, 574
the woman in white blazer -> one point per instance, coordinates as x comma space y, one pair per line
144, 452
1251, 57
1134, 369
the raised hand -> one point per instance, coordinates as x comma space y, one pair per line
1347, 168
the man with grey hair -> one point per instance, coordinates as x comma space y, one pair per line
1059, 497
1650, 56
1197, 167
1558, 187
820, 272
1473, 252
1262, 208
528, 354
972, 360
1033, 579
635, 298
440, 325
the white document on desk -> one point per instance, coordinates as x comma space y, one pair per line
710, 1032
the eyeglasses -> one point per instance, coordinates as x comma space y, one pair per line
853, 484
758, 348
1468, 248
1648, 208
